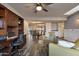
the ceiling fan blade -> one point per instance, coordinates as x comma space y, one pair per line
35, 11
48, 3
45, 10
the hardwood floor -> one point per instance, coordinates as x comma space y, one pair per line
39, 49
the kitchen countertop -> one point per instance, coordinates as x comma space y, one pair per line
9, 38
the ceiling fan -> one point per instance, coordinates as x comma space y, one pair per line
41, 6
38, 7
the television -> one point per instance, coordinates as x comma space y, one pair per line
1, 24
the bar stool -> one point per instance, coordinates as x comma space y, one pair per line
16, 43
2, 39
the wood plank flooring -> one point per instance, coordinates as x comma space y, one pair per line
39, 49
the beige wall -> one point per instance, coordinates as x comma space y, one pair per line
25, 27
48, 29
60, 31
26, 31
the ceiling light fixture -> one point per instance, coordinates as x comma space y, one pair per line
38, 8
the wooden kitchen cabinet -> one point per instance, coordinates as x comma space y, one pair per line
2, 12
13, 25
12, 19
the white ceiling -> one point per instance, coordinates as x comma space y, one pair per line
54, 10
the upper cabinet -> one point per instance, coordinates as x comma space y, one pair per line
11, 23
2, 12
12, 19
2, 22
